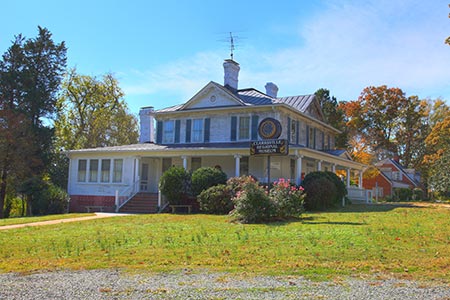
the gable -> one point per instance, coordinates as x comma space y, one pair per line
307, 104
315, 111
390, 166
212, 95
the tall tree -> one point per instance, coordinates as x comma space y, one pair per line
413, 129
438, 157
93, 113
334, 115
31, 71
447, 41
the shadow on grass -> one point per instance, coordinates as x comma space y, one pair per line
311, 220
374, 207
316, 220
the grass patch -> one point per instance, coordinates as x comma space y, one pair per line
407, 242
25, 220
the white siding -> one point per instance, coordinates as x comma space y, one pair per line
97, 188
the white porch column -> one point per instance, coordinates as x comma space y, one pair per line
348, 177
137, 165
237, 165
319, 165
333, 168
184, 158
360, 182
298, 173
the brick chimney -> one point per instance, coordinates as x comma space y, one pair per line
271, 89
147, 126
231, 74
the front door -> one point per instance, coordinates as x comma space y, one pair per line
144, 177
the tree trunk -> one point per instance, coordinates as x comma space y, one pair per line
22, 212
3, 191
29, 207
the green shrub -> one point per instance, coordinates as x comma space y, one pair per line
57, 200
43, 197
216, 200
418, 194
341, 189
175, 184
287, 198
206, 177
321, 191
402, 194
252, 204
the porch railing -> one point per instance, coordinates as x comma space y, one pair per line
358, 194
126, 194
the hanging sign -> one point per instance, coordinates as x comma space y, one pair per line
269, 147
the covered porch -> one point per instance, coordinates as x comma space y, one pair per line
148, 168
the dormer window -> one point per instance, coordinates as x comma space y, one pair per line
168, 132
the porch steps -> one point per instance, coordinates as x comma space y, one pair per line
144, 203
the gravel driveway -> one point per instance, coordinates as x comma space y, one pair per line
112, 284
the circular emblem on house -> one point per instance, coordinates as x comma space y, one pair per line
269, 128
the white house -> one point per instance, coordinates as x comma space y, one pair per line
213, 128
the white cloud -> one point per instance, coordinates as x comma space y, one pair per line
344, 48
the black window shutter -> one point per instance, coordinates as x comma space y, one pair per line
255, 120
307, 136
233, 128
188, 130
323, 140
159, 131
177, 131
297, 132
206, 132
314, 140
289, 130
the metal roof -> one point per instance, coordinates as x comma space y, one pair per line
251, 96
255, 97
301, 103
158, 147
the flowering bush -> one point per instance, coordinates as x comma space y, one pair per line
288, 199
236, 184
251, 203
254, 204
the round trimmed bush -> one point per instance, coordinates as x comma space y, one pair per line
323, 190
175, 184
206, 177
216, 200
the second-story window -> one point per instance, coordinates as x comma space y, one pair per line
312, 138
244, 128
168, 132
293, 137
197, 130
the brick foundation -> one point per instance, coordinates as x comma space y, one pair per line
78, 203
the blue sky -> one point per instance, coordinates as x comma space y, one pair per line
163, 52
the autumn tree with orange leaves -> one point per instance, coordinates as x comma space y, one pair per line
383, 122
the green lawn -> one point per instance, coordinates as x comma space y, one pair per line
406, 242
24, 220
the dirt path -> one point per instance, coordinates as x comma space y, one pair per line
51, 222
